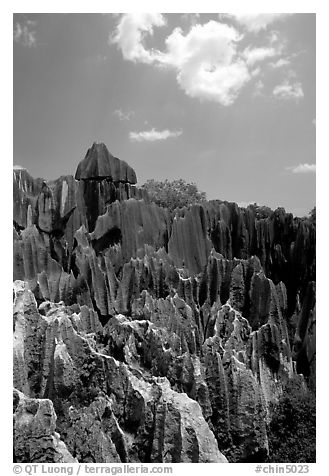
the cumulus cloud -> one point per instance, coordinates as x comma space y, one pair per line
303, 169
207, 59
24, 33
255, 22
254, 55
280, 63
123, 116
130, 33
288, 90
153, 135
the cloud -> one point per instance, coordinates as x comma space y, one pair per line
274, 37
123, 116
280, 63
153, 135
24, 34
259, 88
206, 62
288, 90
207, 59
302, 169
254, 55
130, 33
255, 22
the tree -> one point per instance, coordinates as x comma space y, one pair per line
260, 211
292, 430
174, 194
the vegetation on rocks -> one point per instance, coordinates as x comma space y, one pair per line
292, 429
147, 333
174, 194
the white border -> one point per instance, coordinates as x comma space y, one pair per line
322, 199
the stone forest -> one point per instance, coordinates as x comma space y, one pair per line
144, 334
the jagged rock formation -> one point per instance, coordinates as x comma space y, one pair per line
35, 438
157, 336
100, 164
107, 411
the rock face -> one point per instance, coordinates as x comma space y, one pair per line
142, 335
35, 439
107, 411
100, 164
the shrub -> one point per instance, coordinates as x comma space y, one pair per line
260, 211
174, 194
292, 431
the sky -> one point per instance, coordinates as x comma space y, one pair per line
226, 101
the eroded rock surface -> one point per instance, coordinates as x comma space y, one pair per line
35, 438
107, 409
100, 164
153, 336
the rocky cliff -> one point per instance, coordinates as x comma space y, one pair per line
143, 335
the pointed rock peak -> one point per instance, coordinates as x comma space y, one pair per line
99, 164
